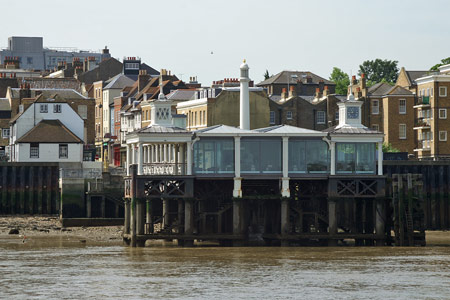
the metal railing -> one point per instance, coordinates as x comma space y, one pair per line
164, 169
423, 100
420, 122
424, 144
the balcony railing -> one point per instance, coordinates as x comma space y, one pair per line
423, 100
424, 144
164, 169
422, 122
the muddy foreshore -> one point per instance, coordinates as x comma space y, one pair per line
31, 226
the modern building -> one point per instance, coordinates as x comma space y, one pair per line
32, 55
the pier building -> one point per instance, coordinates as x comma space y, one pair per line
275, 185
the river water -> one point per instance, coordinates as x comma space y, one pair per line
62, 268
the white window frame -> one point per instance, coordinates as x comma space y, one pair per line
63, 154
443, 88
400, 106
444, 111
43, 108
5, 133
320, 117
377, 110
444, 138
289, 115
401, 130
34, 151
272, 117
57, 108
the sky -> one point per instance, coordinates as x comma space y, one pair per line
209, 39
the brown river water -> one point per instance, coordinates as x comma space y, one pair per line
65, 268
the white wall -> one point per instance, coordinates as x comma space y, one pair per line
108, 98
49, 153
32, 116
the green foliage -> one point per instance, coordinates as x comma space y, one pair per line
444, 61
341, 79
387, 147
266, 75
379, 70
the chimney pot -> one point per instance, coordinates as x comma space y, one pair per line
283, 90
317, 90
354, 77
363, 75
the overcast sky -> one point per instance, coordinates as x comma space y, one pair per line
180, 35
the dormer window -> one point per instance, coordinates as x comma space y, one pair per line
57, 108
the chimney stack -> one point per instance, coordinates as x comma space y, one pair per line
354, 79
318, 93
283, 94
326, 91
143, 79
244, 116
292, 92
363, 81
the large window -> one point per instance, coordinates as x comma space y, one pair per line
307, 156
355, 158
34, 150
63, 151
375, 107
402, 131
272, 117
43, 108
402, 106
214, 156
320, 117
260, 156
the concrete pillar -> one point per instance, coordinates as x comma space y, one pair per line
380, 225
380, 158
180, 216
332, 221
103, 206
148, 216
189, 220
175, 156
284, 216
285, 191
182, 159
127, 215
237, 191
238, 220
333, 158
140, 217
237, 156
144, 148
140, 160
165, 153
133, 222
128, 162
189, 158
88, 206
166, 216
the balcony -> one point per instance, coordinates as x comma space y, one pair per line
164, 169
423, 145
422, 123
422, 101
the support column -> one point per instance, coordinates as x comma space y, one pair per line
127, 163
140, 217
175, 156
182, 159
140, 170
380, 158
332, 221
333, 158
285, 192
88, 206
127, 215
103, 206
284, 220
238, 221
380, 225
188, 221
166, 216
237, 191
165, 160
189, 158
133, 206
148, 217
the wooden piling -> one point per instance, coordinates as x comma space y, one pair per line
31, 190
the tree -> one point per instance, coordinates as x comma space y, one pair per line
379, 70
387, 147
444, 61
341, 79
266, 75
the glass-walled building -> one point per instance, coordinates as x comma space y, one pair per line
214, 156
308, 156
259, 155
356, 158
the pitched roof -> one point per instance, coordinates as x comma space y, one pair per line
413, 75
47, 93
4, 104
104, 70
222, 129
288, 129
49, 131
162, 129
351, 130
283, 76
118, 82
181, 95
398, 90
379, 89
55, 98
150, 70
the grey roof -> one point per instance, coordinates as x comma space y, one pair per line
181, 95
413, 75
287, 129
4, 104
398, 90
379, 89
222, 129
150, 70
351, 130
162, 129
46, 93
118, 82
283, 76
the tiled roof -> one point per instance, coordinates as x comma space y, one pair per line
49, 131
379, 89
181, 95
283, 76
413, 75
398, 90
47, 93
118, 82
